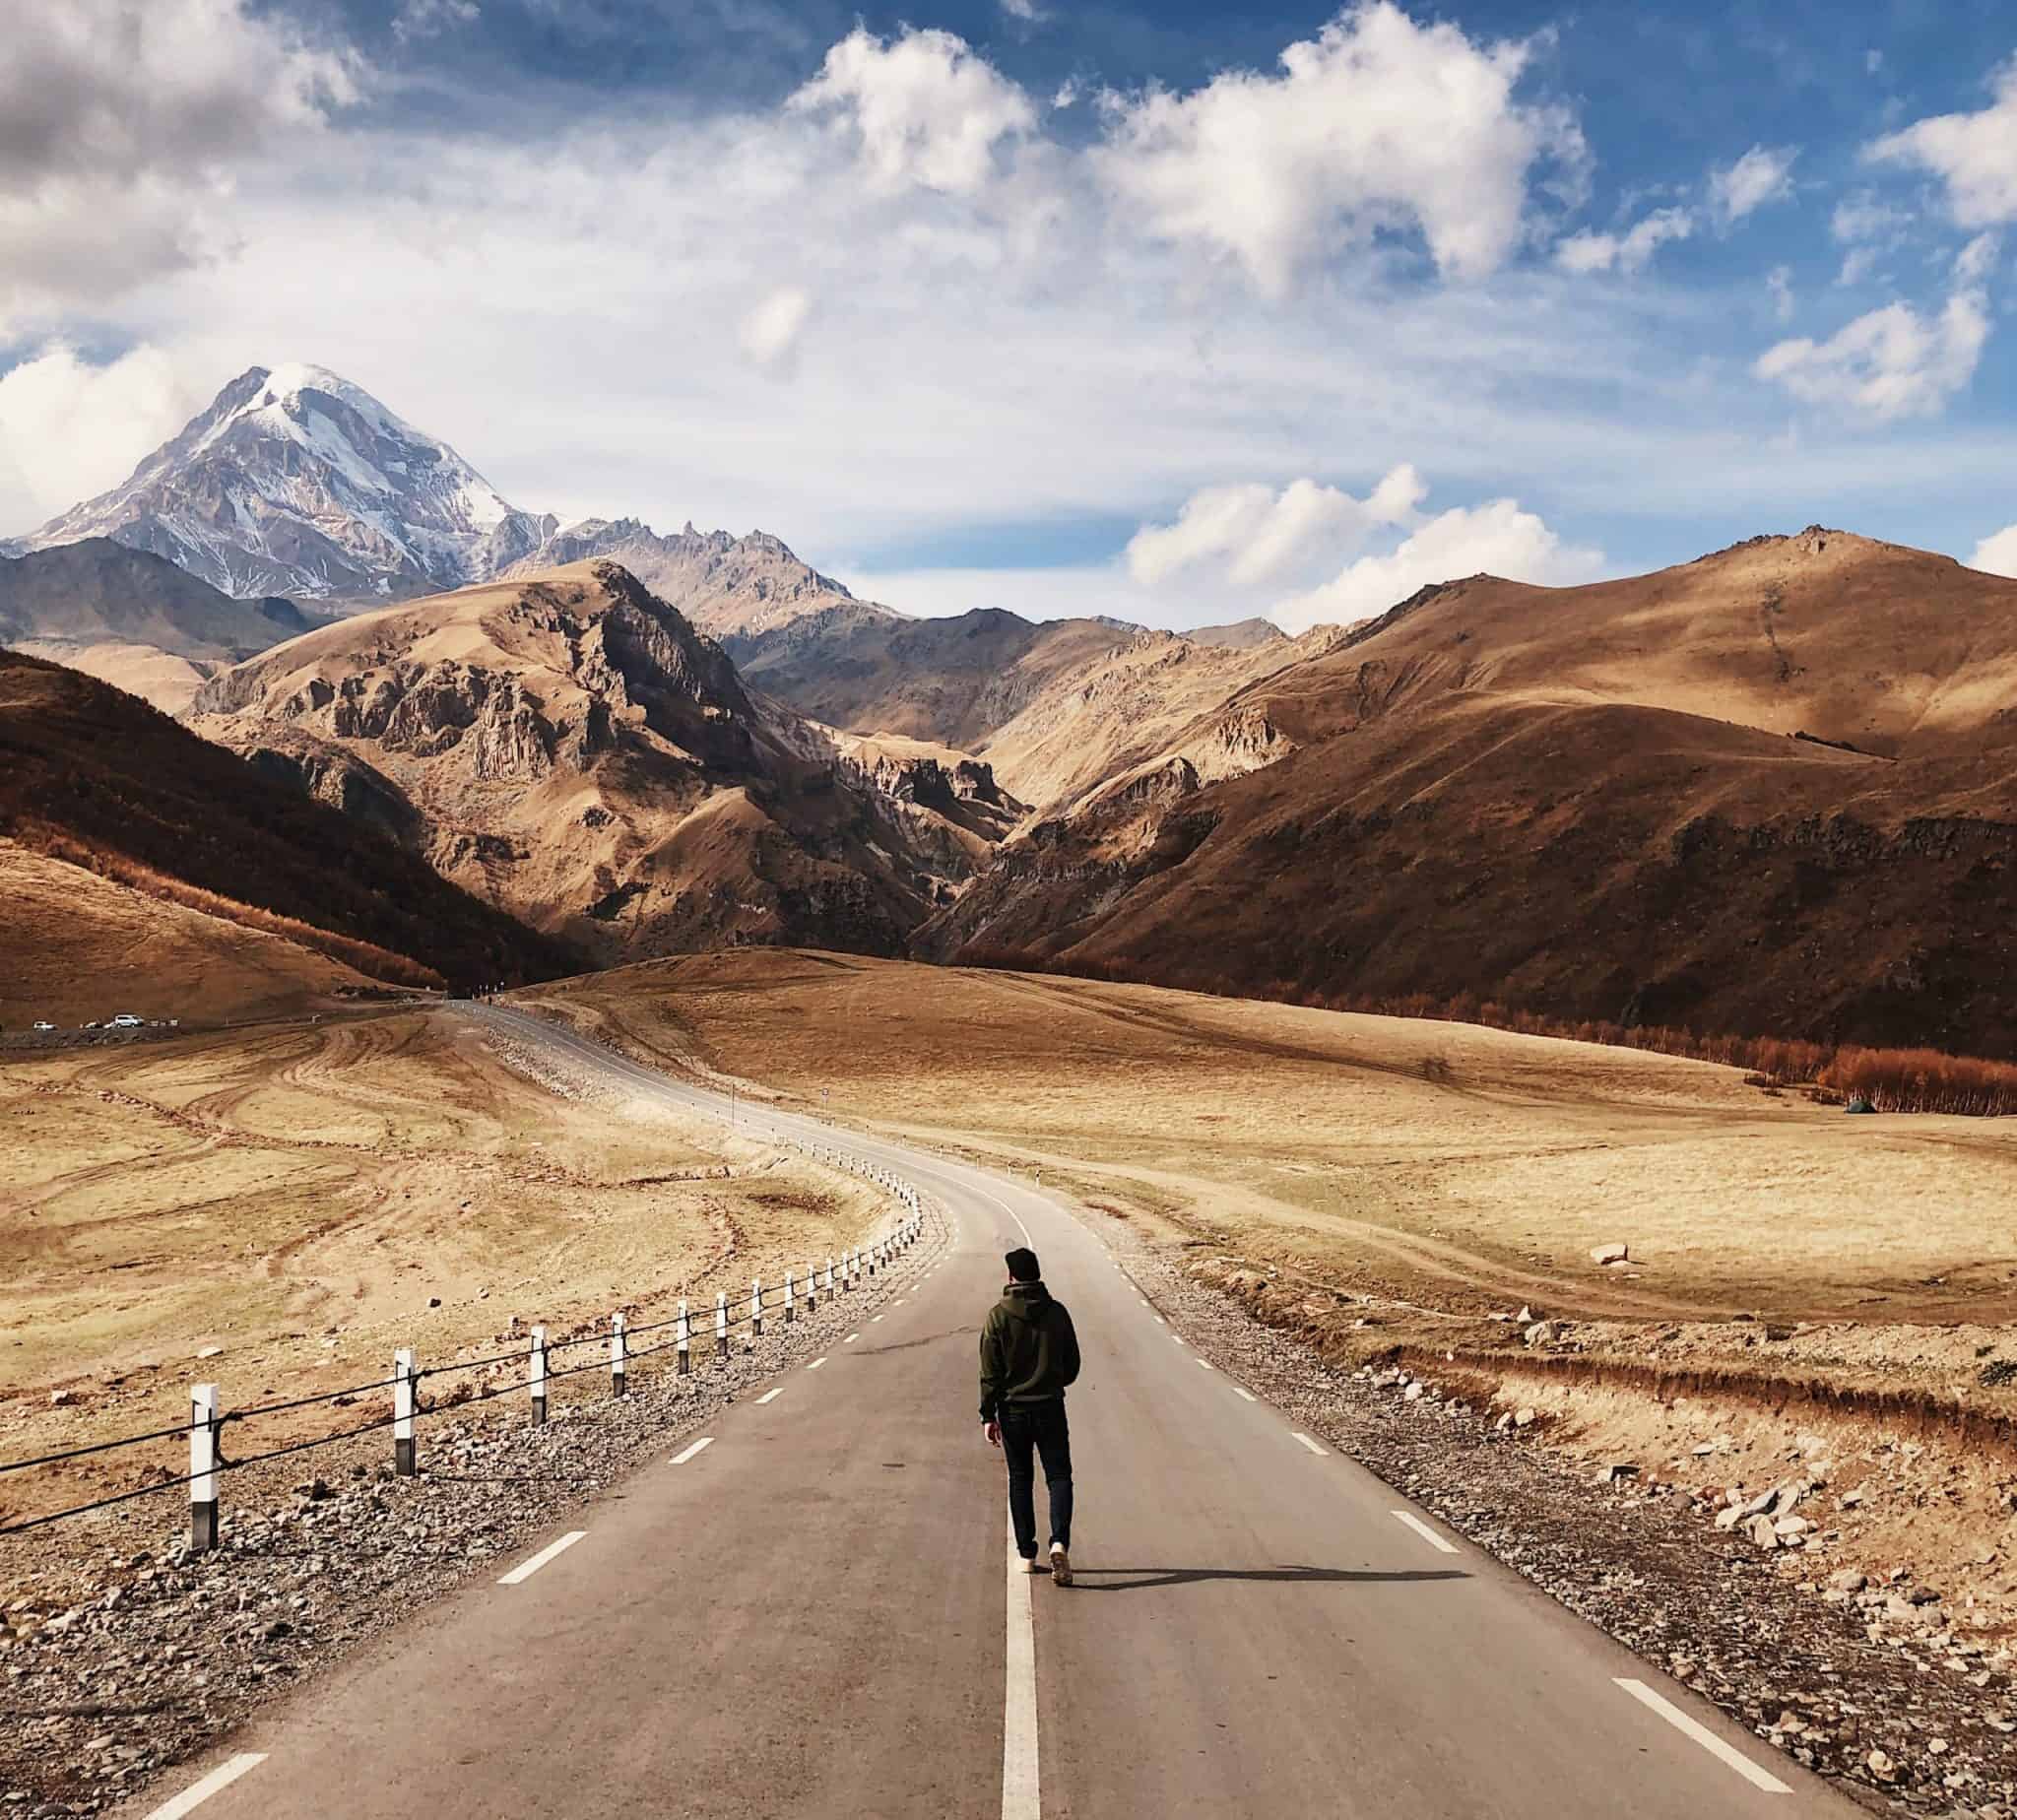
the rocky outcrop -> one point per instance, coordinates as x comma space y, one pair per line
570, 748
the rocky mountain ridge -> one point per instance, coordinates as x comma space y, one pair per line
297, 482
569, 747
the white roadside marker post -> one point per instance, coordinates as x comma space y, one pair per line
685, 1341
755, 1313
790, 1314
619, 1355
403, 1412
830, 1272
203, 1468
537, 1377
812, 1298
721, 1325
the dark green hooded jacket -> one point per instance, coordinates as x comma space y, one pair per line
1029, 1349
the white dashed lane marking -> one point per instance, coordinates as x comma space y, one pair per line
1312, 1445
850, 1339
687, 1452
1427, 1534
526, 1569
197, 1792
769, 1394
1247, 1395
872, 1318
1714, 1745
1206, 1363
815, 1364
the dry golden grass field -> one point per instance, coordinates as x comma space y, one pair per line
306, 1198
1457, 1167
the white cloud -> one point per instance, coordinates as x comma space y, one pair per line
69, 429
1027, 11
1892, 363
122, 126
769, 335
1628, 252
1864, 216
425, 19
1873, 61
1974, 263
1497, 538
1763, 174
1997, 554
1778, 282
921, 108
1378, 124
1256, 534
1975, 153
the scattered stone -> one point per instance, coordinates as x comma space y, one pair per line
1610, 1254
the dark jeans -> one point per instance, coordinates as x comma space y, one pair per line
1040, 1426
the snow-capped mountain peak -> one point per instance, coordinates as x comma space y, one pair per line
297, 481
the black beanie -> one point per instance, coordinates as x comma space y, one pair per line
1023, 1265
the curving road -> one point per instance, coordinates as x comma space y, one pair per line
815, 1613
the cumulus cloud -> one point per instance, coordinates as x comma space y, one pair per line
1256, 534
1497, 538
1763, 174
1974, 154
1627, 252
1376, 124
69, 427
920, 110
769, 334
1778, 282
1890, 363
1997, 554
123, 122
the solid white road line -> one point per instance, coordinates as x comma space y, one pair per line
198, 1793
1021, 1797
1247, 1395
1312, 1445
1714, 1745
769, 1394
1427, 1534
526, 1569
817, 1363
699, 1447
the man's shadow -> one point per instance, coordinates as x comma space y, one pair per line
1084, 1577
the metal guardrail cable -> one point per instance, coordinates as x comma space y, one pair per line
99, 1504
303, 1402
700, 1324
96, 1447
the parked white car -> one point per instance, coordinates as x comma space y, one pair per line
41, 1025
124, 1021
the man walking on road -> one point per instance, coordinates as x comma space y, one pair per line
1029, 1353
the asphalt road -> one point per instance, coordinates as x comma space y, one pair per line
815, 1614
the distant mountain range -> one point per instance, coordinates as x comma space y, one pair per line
1772, 790
296, 482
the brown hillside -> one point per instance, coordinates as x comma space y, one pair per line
952, 680
1587, 801
568, 747
91, 776
82, 947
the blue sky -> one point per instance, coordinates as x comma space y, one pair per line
1148, 311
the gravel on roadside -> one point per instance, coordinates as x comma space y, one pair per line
1900, 1727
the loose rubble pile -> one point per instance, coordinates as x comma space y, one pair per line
120, 1659
1874, 1681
